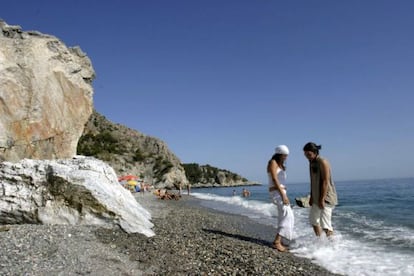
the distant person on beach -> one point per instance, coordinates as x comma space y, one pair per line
234, 192
166, 195
245, 192
276, 171
188, 188
323, 193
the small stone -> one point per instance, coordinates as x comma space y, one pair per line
4, 228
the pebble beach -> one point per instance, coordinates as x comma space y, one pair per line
189, 240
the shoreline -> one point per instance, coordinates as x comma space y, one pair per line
216, 185
198, 240
190, 240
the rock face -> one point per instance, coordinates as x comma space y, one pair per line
82, 190
131, 152
45, 95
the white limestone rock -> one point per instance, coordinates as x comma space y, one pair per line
77, 191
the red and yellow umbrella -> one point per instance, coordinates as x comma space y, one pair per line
128, 177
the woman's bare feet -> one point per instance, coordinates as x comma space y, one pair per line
279, 247
277, 244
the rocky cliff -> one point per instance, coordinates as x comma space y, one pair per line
130, 152
45, 95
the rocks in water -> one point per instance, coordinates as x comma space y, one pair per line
78, 191
45, 95
303, 201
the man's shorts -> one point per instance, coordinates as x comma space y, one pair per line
321, 217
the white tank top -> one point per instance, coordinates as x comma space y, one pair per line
281, 176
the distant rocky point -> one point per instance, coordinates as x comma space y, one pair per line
201, 176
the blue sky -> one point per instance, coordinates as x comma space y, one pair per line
224, 82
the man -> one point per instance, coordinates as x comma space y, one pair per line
323, 193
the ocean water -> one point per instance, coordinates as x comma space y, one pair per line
373, 224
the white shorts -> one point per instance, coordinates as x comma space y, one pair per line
321, 217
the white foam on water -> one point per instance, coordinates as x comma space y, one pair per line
348, 255
239, 205
362, 247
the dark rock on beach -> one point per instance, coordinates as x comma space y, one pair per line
303, 201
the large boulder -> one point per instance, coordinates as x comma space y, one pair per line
45, 95
77, 191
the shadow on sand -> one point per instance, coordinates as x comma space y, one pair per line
239, 237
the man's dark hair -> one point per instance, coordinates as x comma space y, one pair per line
312, 147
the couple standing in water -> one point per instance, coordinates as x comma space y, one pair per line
322, 193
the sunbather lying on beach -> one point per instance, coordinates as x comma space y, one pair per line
163, 194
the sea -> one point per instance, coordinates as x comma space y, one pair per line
373, 223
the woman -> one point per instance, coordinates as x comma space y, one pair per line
276, 171
323, 193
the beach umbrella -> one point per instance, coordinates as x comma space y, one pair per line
128, 177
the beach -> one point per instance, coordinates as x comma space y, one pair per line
189, 240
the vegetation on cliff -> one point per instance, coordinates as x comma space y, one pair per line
130, 152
